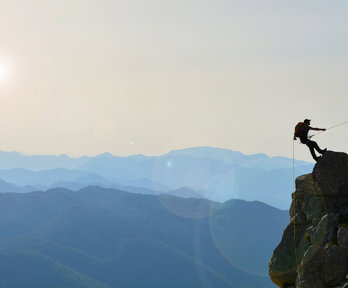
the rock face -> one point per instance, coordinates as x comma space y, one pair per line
313, 252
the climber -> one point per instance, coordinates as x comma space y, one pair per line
301, 131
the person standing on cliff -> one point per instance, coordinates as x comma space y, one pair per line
301, 131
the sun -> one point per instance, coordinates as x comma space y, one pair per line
5, 71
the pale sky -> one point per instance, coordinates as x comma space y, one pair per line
148, 76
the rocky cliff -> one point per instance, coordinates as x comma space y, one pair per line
313, 252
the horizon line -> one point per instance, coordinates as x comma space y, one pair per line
144, 155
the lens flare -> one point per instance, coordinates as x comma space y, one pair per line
194, 179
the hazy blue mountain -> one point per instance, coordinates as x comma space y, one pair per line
65, 184
214, 173
9, 187
31, 269
233, 157
143, 183
22, 177
74, 186
92, 178
109, 238
184, 193
11, 160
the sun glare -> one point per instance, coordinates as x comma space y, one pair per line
5, 71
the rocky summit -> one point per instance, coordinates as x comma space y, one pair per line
313, 252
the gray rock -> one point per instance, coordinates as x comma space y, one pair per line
310, 281
335, 265
317, 232
342, 237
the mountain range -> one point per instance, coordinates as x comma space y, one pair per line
99, 237
202, 172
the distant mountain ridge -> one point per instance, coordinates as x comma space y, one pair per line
13, 159
99, 238
213, 173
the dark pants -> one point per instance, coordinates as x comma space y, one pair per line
312, 147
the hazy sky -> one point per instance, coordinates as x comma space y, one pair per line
147, 76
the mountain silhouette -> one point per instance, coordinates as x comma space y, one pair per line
109, 238
213, 173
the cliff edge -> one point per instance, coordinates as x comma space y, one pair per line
318, 257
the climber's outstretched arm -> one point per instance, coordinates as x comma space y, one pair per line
317, 129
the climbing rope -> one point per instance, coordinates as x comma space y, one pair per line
329, 129
294, 206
